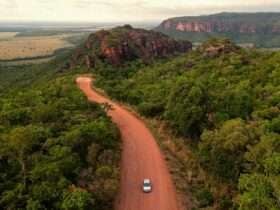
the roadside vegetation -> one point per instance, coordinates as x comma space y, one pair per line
57, 150
226, 100
218, 108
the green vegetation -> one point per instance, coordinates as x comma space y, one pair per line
57, 151
14, 77
40, 32
228, 102
233, 17
256, 40
77, 39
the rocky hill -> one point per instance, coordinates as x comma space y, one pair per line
261, 29
125, 43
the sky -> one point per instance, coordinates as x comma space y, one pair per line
123, 10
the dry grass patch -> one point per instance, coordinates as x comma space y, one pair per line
7, 35
29, 47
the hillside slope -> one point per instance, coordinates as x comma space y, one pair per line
141, 158
261, 29
225, 102
123, 44
57, 150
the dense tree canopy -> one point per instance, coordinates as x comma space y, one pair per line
55, 149
58, 151
224, 97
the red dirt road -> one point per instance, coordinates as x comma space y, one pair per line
141, 158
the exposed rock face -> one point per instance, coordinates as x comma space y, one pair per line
125, 44
256, 29
225, 23
212, 27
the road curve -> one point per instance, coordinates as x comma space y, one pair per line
141, 158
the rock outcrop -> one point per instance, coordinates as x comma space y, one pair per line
214, 26
247, 23
257, 29
123, 44
217, 47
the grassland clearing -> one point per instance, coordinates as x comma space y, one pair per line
7, 35
30, 47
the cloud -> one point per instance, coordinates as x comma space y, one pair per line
123, 10
8, 4
82, 3
194, 9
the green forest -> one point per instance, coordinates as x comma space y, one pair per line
57, 151
227, 102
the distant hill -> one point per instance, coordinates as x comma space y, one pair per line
121, 44
261, 29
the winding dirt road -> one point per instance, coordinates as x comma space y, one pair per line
141, 158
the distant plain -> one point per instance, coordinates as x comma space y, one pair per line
13, 47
